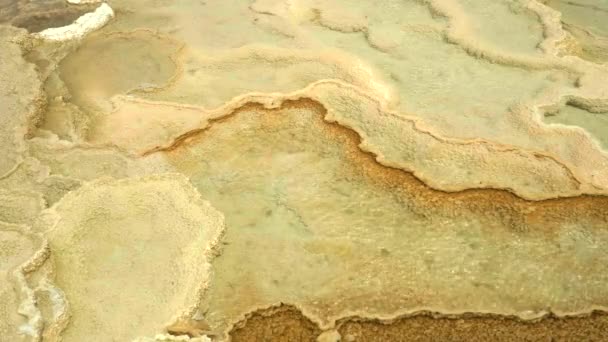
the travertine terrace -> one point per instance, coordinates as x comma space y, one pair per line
344, 169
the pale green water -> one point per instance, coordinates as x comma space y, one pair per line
594, 123
587, 21
312, 222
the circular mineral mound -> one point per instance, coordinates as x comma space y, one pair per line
131, 256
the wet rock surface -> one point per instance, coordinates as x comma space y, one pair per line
415, 170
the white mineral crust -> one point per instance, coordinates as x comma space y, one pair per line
85, 24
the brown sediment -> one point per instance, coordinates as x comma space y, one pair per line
287, 323
280, 323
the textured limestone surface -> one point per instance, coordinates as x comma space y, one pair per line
170, 169
131, 256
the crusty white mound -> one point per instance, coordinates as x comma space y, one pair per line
85, 24
131, 256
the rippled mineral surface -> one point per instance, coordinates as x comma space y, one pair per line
301, 170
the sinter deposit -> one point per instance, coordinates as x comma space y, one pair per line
170, 168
